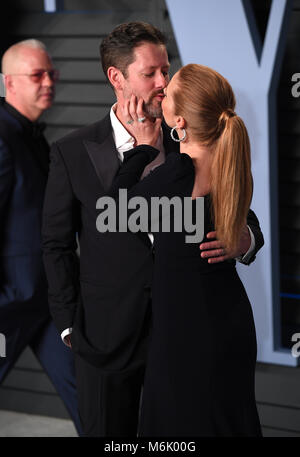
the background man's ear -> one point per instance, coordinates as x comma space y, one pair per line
9, 83
115, 77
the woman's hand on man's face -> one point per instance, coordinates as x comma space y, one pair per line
144, 129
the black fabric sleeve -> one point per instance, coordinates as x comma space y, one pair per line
59, 243
253, 223
6, 178
168, 180
165, 180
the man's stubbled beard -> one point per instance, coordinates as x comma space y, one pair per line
153, 111
148, 107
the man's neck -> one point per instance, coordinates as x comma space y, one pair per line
22, 110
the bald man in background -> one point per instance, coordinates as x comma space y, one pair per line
24, 160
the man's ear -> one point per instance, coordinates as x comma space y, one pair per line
116, 78
9, 83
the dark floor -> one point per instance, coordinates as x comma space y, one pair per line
13, 424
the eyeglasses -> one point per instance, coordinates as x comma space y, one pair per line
37, 76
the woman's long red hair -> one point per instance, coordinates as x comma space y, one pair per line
205, 99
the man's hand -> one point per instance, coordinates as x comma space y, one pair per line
67, 341
215, 253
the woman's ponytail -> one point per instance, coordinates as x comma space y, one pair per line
231, 179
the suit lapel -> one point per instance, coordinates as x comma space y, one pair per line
104, 158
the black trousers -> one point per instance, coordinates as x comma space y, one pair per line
109, 402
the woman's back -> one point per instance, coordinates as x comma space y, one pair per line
200, 368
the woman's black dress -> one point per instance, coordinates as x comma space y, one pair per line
202, 352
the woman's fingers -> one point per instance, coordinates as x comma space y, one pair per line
144, 129
126, 112
140, 110
133, 107
158, 122
133, 110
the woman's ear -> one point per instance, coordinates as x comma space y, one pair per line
180, 122
115, 77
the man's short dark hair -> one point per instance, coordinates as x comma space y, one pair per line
117, 49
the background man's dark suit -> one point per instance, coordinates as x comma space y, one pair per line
24, 311
105, 296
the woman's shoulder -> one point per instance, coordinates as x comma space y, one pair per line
179, 161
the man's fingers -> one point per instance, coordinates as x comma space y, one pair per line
211, 235
213, 250
213, 253
218, 259
211, 245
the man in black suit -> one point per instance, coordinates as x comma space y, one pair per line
24, 161
101, 303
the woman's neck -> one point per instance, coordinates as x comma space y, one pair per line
202, 160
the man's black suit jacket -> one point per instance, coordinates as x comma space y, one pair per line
23, 178
104, 296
